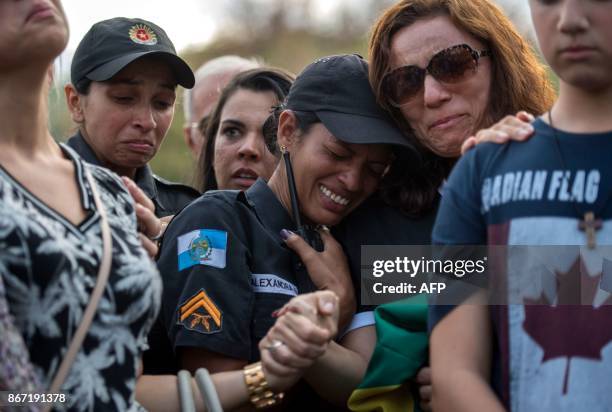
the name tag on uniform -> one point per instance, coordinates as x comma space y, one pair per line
267, 283
202, 247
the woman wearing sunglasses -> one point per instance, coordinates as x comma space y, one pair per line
443, 69
446, 69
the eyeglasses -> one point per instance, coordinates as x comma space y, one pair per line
450, 65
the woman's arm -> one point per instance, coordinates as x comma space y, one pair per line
226, 373
194, 358
337, 373
333, 370
160, 393
339, 370
460, 356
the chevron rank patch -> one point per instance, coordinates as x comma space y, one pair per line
200, 314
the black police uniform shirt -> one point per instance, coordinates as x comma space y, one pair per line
376, 223
168, 197
49, 267
226, 269
546, 357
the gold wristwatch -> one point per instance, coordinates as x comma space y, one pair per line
260, 394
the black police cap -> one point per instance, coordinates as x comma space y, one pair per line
112, 44
337, 90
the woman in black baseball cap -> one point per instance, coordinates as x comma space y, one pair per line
231, 259
122, 95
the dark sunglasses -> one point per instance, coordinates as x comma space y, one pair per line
450, 65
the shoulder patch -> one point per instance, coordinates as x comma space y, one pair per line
202, 247
200, 314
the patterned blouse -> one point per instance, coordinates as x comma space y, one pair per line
49, 269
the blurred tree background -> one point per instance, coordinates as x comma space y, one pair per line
282, 33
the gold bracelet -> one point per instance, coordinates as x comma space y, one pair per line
260, 394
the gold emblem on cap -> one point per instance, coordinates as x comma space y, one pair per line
143, 34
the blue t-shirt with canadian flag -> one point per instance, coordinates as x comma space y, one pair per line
546, 356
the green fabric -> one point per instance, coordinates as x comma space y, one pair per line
394, 398
401, 350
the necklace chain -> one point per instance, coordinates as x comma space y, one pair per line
590, 221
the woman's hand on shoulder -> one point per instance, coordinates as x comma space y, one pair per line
304, 328
517, 127
328, 269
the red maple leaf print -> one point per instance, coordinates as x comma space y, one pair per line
573, 327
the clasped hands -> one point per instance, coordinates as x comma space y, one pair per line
303, 330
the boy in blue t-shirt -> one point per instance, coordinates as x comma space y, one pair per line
555, 189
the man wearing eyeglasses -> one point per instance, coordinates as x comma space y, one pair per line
199, 102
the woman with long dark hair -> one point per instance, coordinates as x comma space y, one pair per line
235, 155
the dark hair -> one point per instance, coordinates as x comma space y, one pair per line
305, 120
519, 82
264, 79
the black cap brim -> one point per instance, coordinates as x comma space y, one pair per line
352, 128
182, 71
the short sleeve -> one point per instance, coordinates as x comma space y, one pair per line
364, 314
208, 299
459, 221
